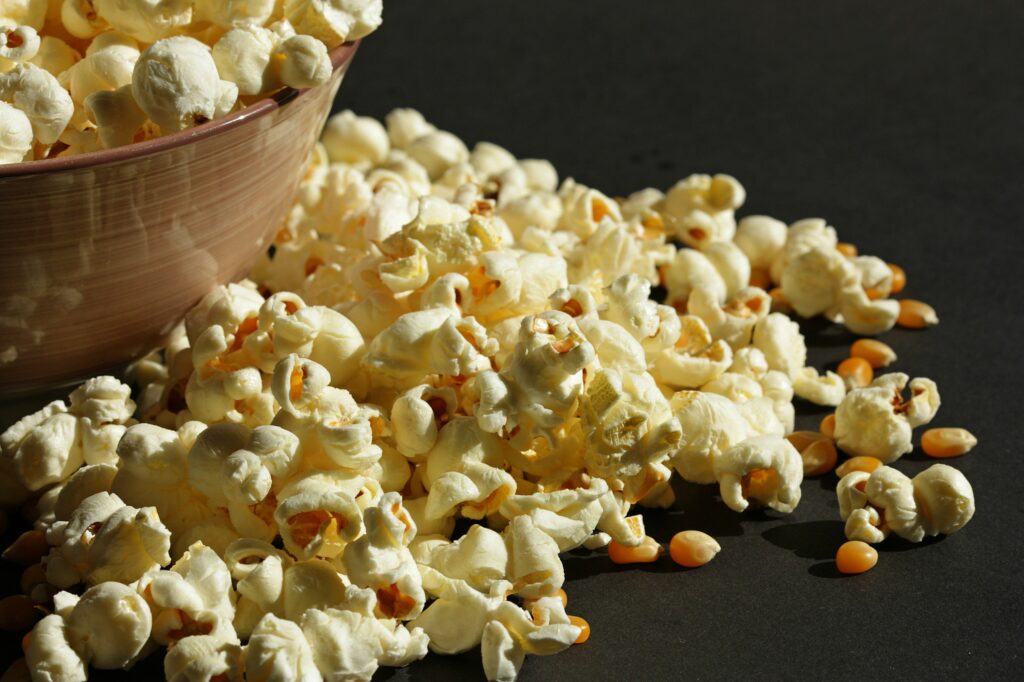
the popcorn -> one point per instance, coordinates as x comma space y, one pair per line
350, 645
26, 12
15, 134
50, 654
108, 65
176, 83
438, 334
145, 20
334, 21
780, 340
38, 95
876, 421
109, 626
105, 539
198, 658
18, 43
828, 389
355, 139
194, 597
229, 14
278, 652
765, 469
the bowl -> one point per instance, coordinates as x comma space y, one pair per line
105, 252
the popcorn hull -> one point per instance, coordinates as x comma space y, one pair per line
105, 252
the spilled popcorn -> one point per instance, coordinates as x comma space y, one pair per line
438, 335
82, 75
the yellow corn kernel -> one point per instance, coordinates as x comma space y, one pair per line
584, 627
32, 576
876, 353
828, 425
692, 548
847, 249
856, 372
947, 442
18, 613
28, 549
801, 440
916, 314
819, 457
17, 672
899, 279
859, 463
646, 552
856, 557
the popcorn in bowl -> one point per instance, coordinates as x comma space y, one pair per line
442, 338
96, 74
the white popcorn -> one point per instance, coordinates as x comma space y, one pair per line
316, 520
55, 55
418, 414
711, 425
455, 620
194, 597
866, 317
464, 471
203, 658
585, 208
405, 125
701, 208
351, 646
104, 539
380, 560
108, 65
355, 139
479, 558
511, 634
876, 421
534, 568
779, 338
630, 431
689, 269
945, 499
40, 97
229, 14
175, 81
26, 12
244, 55
304, 62
50, 655
278, 652
436, 151
15, 134
18, 43
334, 21
695, 360
734, 321
80, 18
119, 120
766, 469
145, 20
828, 389
876, 504
761, 238
109, 625
812, 280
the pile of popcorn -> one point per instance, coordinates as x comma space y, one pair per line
441, 335
82, 75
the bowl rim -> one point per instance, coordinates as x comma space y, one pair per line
340, 56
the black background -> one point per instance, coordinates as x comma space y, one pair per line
899, 122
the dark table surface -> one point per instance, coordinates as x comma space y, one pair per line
899, 122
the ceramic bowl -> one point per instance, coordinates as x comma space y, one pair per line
103, 253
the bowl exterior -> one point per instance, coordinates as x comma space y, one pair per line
102, 261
